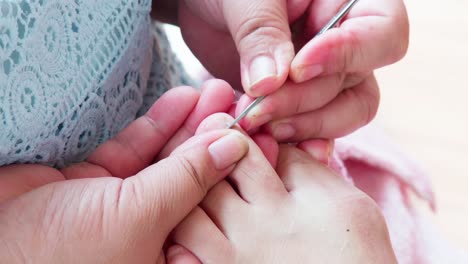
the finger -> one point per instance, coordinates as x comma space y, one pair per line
261, 33
374, 34
292, 99
321, 11
180, 255
254, 177
136, 146
216, 96
193, 17
167, 191
198, 234
352, 109
265, 142
305, 176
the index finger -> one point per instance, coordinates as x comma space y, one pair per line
374, 34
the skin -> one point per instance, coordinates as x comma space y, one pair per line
130, 207
299, 213
247, 31
327, 81
119, 206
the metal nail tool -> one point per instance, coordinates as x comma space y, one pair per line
332, 23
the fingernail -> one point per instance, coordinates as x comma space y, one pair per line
283, 131
228, 150
307, 72
256, 118
262, 68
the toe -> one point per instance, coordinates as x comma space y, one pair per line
307, 177
224, 206
254, 177
199, 235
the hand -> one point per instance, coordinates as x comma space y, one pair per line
300, 213
333, 89
246, 41
84, 214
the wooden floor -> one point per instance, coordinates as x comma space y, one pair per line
424, 104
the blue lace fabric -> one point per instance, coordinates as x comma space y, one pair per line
73, 73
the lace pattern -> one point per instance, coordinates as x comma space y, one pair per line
75, 72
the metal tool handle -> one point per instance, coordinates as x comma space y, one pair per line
342, 13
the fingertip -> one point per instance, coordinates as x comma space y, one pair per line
264, 86
214, 122
185, 89
266, 73
217, 84
257, 116
352, 47
228, 150
218, 93
216, 96
308, 62
305, 73
186, 96
244, 101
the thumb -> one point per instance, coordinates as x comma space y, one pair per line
261, 32
167, 191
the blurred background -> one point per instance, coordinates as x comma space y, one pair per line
424, 105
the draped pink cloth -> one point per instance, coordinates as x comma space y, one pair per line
379, 168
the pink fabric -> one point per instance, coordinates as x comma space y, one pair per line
377, 167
